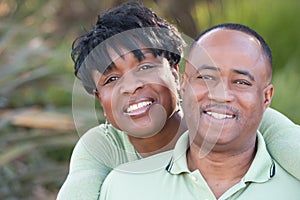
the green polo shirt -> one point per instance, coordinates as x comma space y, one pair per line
97, 152
166, 176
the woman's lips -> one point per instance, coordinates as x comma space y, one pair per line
138, 108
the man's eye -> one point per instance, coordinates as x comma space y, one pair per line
243, 82
110, 79
145, 67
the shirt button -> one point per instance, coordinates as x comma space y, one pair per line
194, 178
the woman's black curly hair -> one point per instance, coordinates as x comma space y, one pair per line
142, 27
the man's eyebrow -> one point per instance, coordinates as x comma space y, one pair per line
245, 73
237, 71
209, 67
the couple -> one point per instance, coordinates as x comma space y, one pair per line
129, 61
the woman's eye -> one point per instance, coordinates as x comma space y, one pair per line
145, 67
110, 79
206, 77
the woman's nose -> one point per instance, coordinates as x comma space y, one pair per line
129, 83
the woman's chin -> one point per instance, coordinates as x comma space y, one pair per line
148, 125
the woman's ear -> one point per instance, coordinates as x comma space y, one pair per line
97, 95
175, 72
176, 67
96, 77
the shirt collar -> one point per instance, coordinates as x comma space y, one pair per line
261, 170
178, 162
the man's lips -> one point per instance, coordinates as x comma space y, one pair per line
219, 115
220, 112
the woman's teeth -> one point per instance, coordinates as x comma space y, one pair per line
137, 106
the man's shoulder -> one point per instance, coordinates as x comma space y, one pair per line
145, 170
281, 185
149, 164
137, 178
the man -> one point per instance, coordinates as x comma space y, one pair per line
226, 87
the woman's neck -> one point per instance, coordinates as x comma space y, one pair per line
162, 141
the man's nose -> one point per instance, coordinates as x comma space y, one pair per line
221, 92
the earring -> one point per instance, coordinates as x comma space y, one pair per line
106, 127
95, 91
179, 103
106, 124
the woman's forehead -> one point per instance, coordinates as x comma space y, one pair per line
119, 51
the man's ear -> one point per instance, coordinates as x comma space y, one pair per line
268, 94
183, 83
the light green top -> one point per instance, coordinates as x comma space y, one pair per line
166, 176
96, 154
93, 157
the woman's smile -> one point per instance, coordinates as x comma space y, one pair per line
139, 107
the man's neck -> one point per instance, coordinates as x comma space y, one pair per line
221, 171
164, 140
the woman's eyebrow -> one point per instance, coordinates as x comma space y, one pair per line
109, 68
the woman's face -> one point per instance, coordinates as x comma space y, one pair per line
138, 96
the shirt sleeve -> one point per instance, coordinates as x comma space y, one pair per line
91, 161
282, 138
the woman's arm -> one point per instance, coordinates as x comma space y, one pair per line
282, 138
93, 157
87, 171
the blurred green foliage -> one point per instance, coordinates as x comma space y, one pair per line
36, 70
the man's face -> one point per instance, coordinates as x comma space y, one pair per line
225, 89
138, 97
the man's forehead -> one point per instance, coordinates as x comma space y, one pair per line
223, 36
221, 40
198, 55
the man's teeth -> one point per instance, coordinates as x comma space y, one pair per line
137, 106
220, 116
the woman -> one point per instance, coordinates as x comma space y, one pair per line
134, 75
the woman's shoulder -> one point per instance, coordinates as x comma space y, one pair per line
103, 130
107, 141
101, 135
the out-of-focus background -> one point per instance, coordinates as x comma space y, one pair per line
37, 130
